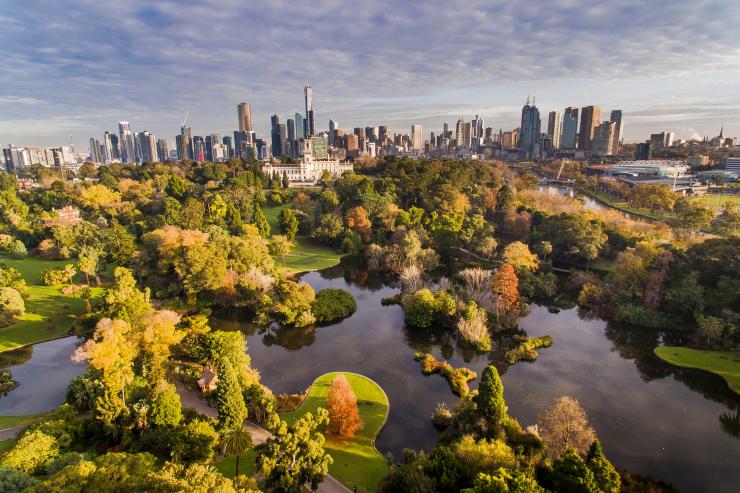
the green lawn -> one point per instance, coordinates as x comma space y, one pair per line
305, 254
357, 463
717, 200
247, 465
726, 364
6, 445
12, 421
49, 313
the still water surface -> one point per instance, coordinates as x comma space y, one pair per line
652, 418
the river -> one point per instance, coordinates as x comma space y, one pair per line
652, 418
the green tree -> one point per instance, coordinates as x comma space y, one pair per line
230, 403
504, 481
32, 452
234, 219
279, 246
490, 402
288, 223
123, 301
12, 306
570, 473
237, 441
13, 480
88, 261
120, 244
606, 476
194, 441
286, 182
166, 408
260, 221
295, 455
329, 200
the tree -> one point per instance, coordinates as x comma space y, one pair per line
490, 403
288, 223
260, 221
32, 452
230, 403
710, 328
691, 217
237, 441
158, 333
291, 300
14, 481
483, 456
166, 408
295, 454
329, 229
88, 260
12, 306
286, 182
505, 481
605, 475
517, 255
123, 301
570, 473
329, 200
344, 417
505, 290
120, 244
279, 246
358, 222
728, 222
234, 219
194, 441
333, 304
563, 426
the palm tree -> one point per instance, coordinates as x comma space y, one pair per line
237, 441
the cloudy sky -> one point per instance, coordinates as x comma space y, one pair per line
80, 66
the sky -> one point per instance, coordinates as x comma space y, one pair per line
78, 67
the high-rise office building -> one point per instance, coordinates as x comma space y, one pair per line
460, 133
590, 118
644, 151
115, 145
244, 113
163, 151
211, 141
290, 126
568, 139
555, 128
108, 154
382, 134
333, 126
199, 148
275, 139
310, 123
95, 155
146, 144
604, 141
529, 144
184, 143
616, 117
352, 142
229, 145
662, 140
126, 140
417, 139
300, 131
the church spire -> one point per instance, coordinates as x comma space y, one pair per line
721, 130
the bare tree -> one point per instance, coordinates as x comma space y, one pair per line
477, 283
564, 425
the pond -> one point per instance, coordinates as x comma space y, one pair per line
678, 425
43, 370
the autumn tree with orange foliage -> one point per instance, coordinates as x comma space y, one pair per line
505, 288
358, 222
344, 417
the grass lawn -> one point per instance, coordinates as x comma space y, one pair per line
6, 445
11, 421
718, 200
726, 364
357, 463
305, 254
49, 313
247, 466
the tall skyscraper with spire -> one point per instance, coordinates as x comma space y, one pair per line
245, 117
310, 121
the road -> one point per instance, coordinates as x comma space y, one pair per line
191, 399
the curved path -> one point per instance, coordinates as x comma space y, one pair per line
260, 435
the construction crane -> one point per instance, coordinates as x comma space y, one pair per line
185, 120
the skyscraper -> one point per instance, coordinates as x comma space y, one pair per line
333, 126
126, 140
300, 131
163, 151
616, 117
108, 154
570, 128
604, 141
460, 132
417, 139
95, 151
529, 131
555, 128
310, 123
276, 141
245, 117
184, 143
590, 118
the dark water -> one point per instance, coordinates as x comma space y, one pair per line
44, 370
652, 418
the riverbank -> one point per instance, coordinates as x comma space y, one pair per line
726, 364
49, 313
357, 463
305, 255
624, 206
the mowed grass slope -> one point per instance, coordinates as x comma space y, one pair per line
305, 254
726, 364
49, 313
357, 463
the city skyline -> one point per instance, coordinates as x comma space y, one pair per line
93, 64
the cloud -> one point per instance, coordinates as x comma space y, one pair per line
383, 61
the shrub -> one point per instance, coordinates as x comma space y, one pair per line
32, 452
64, 460
55, 277
333, 304
472, 328
526, 349
638, 315
13, 247
425, 307
14, 481
458, 378
442, 416
12, 306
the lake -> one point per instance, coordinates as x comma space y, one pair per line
678, 425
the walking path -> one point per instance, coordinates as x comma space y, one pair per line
8, 433
260, 435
